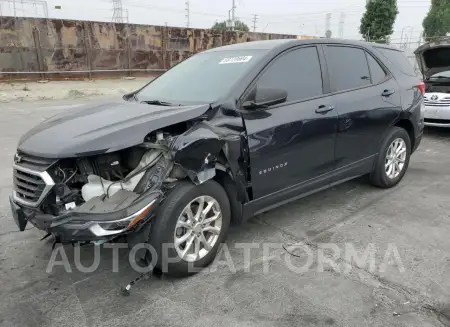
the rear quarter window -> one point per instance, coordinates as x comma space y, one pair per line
398, 59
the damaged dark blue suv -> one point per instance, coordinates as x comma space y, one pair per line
224, 135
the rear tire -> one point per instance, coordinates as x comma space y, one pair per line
175, 221
393, 159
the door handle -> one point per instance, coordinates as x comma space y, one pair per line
387, 93
323, 109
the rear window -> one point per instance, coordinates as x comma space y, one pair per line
399, 59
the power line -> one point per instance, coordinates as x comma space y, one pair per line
315, 12
16, 10
312, 19
132, 4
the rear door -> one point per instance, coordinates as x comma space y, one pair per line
292, 142
367, 99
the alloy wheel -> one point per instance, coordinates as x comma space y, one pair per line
395, 158
198, 228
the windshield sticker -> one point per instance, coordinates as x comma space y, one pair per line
235, 60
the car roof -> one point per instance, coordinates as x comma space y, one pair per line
281, 44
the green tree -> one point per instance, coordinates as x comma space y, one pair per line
378, 21
437, 21
238, 26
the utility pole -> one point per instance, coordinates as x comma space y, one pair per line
45, 9
327, 23
341, 25
117, 11
233, 7
188, 18
255, 19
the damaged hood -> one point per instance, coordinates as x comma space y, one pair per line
434, 57
102, 127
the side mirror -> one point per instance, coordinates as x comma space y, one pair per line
264, 97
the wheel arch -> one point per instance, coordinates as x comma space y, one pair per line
407, 125
225, 178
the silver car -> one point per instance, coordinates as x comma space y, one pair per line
434, 62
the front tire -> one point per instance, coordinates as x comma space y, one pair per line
393, 159
192, 222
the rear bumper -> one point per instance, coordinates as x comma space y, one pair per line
84, 227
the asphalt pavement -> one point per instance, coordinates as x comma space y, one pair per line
398, 276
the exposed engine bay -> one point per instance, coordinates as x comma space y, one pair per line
111, 181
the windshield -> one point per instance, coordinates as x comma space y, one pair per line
202, 78
444, 74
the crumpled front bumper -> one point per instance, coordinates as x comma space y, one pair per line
83, 227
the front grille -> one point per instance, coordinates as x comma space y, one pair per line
28, 187
444, 102
31, 181
32, 162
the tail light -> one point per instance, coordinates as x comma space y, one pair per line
421, 87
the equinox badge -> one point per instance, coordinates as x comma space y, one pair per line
271, 169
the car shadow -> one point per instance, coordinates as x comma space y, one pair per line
115, 261
436, 132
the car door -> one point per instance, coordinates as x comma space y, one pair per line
367, 100
292, 142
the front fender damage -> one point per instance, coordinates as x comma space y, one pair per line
101, 197
196, 152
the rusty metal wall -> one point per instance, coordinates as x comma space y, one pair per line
30, 45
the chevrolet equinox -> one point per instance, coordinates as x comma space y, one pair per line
222, 136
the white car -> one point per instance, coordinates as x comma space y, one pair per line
434, 62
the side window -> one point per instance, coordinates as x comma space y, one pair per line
347, 67
376, 72
298, 72
399, 59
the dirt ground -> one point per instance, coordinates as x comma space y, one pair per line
59, 90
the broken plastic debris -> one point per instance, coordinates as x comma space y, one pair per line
70, 205
205, 175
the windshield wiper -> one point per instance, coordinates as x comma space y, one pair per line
158, 103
